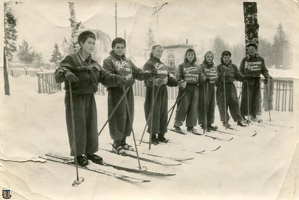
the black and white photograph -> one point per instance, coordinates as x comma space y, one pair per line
149, 99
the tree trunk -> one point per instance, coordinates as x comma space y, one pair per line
251, 30
251, 23
5, 75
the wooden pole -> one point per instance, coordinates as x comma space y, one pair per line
115, 19
5, 74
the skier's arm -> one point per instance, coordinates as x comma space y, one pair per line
179, 73
264, 70
106, 78
172, 82
147, 66
140, 74
241, 68
202, 77
108, 66
238, 75
64, 67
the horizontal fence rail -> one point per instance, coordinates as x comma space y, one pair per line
282, 89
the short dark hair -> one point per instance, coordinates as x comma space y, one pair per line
252, 45
118, 40
84, 35
190, 51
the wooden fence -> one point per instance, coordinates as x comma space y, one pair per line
21, 71
282, 93
46, 83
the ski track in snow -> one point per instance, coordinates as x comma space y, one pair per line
246, 167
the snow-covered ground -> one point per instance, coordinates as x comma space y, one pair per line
32, 124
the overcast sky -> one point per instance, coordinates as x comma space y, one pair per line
44, 23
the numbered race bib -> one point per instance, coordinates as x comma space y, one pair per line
191, 74
122, 67
253, 66
161, 70
212, 74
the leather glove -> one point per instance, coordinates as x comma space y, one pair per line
71, 77
121, 80
147, 75
265, 81
182, 84
130, 82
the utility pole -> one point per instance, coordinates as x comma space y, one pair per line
115, 19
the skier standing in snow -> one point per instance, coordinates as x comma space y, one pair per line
84, 73
189, 75
251, 67
206, 106
161, 78
119, 125
227, 97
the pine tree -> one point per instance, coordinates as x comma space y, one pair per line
218, 47
265, 50
280, 47
56, 55
150, 38
25, 53
10, 33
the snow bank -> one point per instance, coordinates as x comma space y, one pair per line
32, 124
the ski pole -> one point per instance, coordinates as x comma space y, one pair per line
218, 99
152, 114
181, 96
248, 103
149, 116
205, 114
81, 179
267, 92
131, 123
225, 116
114, 110
177, 100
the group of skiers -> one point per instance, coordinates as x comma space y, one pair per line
81, 75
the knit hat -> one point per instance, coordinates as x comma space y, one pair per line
84, 35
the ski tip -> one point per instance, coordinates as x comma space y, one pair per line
217, 148
200, 152
254, 134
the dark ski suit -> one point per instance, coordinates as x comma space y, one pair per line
228, 74
187, 106
206, 91
251, 68
119, 124
90, 73
160, 112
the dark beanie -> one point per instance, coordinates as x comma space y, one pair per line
84, 35
226, 53
118, 40
252, 44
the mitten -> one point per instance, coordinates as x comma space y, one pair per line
71, 77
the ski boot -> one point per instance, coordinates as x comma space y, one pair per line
210, 127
